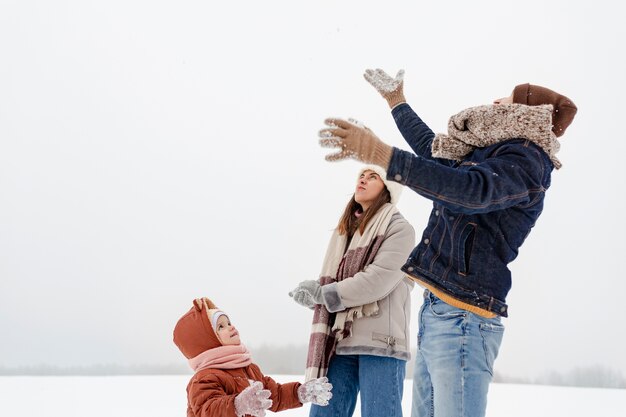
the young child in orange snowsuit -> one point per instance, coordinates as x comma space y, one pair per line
226, 383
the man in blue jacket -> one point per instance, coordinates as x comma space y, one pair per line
487, 179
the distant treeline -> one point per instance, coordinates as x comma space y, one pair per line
290, 360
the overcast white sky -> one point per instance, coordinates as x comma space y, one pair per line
152, 152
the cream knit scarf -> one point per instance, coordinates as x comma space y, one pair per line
328, 328
478, 127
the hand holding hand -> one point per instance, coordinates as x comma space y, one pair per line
355, 141
392, 89
316, 391
253, 400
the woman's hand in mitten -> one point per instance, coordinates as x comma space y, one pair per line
307, 293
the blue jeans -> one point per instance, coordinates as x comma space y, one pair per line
454, 362
379, 379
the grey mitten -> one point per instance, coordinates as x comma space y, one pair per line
316, 391
307, 293
253, 400
303, 298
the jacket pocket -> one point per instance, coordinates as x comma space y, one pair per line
464, 250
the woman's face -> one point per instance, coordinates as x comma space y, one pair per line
226, 332
368, 188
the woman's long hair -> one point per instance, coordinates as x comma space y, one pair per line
349, 222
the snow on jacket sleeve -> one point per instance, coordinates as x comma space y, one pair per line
380, 277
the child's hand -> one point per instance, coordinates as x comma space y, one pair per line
316, 391
254, 400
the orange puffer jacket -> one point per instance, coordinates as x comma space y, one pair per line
212, 392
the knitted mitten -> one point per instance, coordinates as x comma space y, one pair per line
390, 88
316, 391
253, 400
355, 142
307, 293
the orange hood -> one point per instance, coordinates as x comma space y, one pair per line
194, 333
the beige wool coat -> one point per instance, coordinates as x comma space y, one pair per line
387, 332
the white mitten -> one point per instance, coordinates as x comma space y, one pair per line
254, 400
316, 391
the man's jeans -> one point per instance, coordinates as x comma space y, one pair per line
454, 362
379, 379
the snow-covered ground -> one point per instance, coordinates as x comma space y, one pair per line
164, 396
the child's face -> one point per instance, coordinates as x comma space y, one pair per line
226, 332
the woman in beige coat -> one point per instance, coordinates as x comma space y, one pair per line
360, 334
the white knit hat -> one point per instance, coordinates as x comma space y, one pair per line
395, 189
215, 315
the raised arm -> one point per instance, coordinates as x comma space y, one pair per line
415, 132
504, 180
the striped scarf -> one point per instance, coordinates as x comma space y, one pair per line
329, 328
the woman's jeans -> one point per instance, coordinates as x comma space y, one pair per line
379, 379
454, 362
